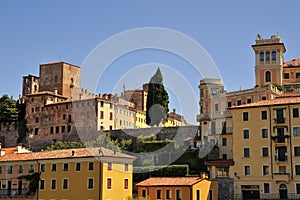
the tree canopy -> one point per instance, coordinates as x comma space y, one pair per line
8, 109
157, 100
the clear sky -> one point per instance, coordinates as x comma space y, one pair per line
35, 32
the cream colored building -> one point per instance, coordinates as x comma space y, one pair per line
266, 149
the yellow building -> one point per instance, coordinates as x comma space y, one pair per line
83, 173
266, 149
178, 188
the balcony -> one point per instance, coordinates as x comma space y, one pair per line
281, 158
279, 120
282, 177
203, 117
280, 140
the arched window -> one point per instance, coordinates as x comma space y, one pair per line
268, 56
273, 55
282, 186
261, 56
268, 76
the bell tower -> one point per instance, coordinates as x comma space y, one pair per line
268, 59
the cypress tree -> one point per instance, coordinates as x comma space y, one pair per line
157, 101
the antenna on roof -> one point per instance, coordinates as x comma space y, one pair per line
59, 57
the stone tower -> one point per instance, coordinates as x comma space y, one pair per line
268, 59
30, 84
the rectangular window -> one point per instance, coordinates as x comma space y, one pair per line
229, 104
264, 133
178, 195
20, 170
91, 166
63, 129
245, 116
69, 118
216, 107
66, 167
111, 116
224, 156
126, 167
297, 151
125, 183
9, 169
69, 128
108, 183
42, 184
264, 98
296, 131
298, 188
158, 194
224, 142
78, 167
57, 129
36, 120
0, 171
53, 184
109, 166
297, 169
279, 116
286, 75
65, 184
101, 103
51, 130
54, 167
42, 167
101, 114
265, 152
266, 188
90, 183
239, 102
247, 170
168, 194
266, 171
144, 193
36, 131
295, 112
197, 194
246, 152
264, 115
249, 100
246, 134
31, 169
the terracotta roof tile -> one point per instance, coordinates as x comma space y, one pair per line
294, 62
169, 181
60, 154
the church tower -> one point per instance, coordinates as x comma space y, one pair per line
268, 59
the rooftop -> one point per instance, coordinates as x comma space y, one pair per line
11, 155
290, 63
170, 181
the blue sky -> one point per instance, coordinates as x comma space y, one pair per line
35, 32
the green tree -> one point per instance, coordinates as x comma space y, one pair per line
64, 145
8, 109
157, 101
104, 140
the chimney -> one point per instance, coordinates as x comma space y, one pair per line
55, 93
73, 152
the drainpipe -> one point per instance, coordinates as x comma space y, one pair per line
271, 131
38, 187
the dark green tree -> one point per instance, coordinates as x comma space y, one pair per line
8, 109
157, 101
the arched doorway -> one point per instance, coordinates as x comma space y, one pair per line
283, 191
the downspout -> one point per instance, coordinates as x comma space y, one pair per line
100, 178
38, 187
290, 130
271, 142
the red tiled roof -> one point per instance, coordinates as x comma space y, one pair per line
277, 101
61, 154
294, 62
170, 181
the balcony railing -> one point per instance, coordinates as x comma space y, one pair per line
281, 158
279, 120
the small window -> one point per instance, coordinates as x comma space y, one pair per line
295, 112
109, 183
90, 183
229, 104
297, 151
57, 129
264, 133
53, 184
245, 116
101, 114
78, 165
297, 169
54, 167
298, 188
224, 156
198, 196
246, 152
266, 170
109, 166
20, 170
178, 195
144, 193
31, 169
65, 184
63, 129
266, 188
261, 56
224, 142
239, 102
264, 115
69, 128
158, 194
249, 100
296, 131
36, 120
66, 167
42, 184
42, 167
168, 194
101, 103
51, 130
273, 55
263, 98
247, 170
110, 116
36, 131
126, 167
56, 78
125, 183
268, 76
91, 166
246, 134
265, 152
9, 169
216, 107
286, 75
